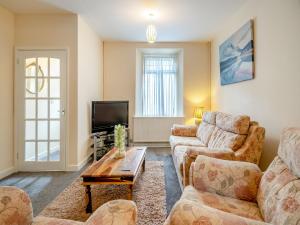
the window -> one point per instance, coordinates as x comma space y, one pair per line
159, 82
159, 89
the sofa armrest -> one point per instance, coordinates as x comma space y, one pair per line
252, 148
192, 153
187, 212
15, 206
234, 179
116, 212
184, 130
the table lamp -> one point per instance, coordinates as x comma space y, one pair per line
198, 112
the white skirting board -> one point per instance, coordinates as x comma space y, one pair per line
7, 172
153, 144
80, 165
154, 129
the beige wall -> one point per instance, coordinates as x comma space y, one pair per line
89, 84
272, 98
120, 73
7, 35
55, 31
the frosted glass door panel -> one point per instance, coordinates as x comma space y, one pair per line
43, 83
30, 151
54, 109
30, 109
54, 67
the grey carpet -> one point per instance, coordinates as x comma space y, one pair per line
43, 187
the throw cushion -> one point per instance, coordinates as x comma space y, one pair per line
221, 139
209, 117
204, 132
236, 124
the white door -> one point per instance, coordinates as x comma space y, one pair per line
40, 103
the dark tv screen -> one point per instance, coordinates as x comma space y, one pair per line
107, 114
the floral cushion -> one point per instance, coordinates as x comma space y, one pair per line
226, 204
184, 130
186, 141
289, 149
117, 212
186, 212
41, 220
221, 139
236, 124
279, 195
204, 132
15, 207
209, 117
234, 179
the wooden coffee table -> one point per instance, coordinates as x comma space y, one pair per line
109, 170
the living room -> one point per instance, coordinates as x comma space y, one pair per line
206, 93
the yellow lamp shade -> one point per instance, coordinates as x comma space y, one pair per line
198, 112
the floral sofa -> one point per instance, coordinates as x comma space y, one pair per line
237, 193
220, 135
16, 209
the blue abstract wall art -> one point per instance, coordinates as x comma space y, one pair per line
237, 56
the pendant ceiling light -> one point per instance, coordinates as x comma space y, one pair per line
151, 33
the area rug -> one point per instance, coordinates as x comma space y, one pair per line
148, 193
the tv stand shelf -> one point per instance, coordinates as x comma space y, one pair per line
103, 142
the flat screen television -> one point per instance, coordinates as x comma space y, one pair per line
107, 114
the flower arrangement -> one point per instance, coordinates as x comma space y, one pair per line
120, 141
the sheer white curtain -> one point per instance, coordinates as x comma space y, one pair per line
159, 85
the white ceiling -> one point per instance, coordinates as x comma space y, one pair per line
125, 20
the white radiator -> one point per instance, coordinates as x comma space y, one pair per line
154, 129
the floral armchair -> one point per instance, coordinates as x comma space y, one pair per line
238, 193
16, 209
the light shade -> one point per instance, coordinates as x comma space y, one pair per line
198, 112
151, 33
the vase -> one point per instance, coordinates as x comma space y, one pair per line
120, 141
120, 153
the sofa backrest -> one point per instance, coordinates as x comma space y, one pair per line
238, 124
206, 127
230, 131
279, 190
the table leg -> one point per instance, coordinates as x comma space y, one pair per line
130, 191
89, 208
144, 164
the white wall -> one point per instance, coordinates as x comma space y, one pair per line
90, 84
272, 98
7, 36
120, 74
